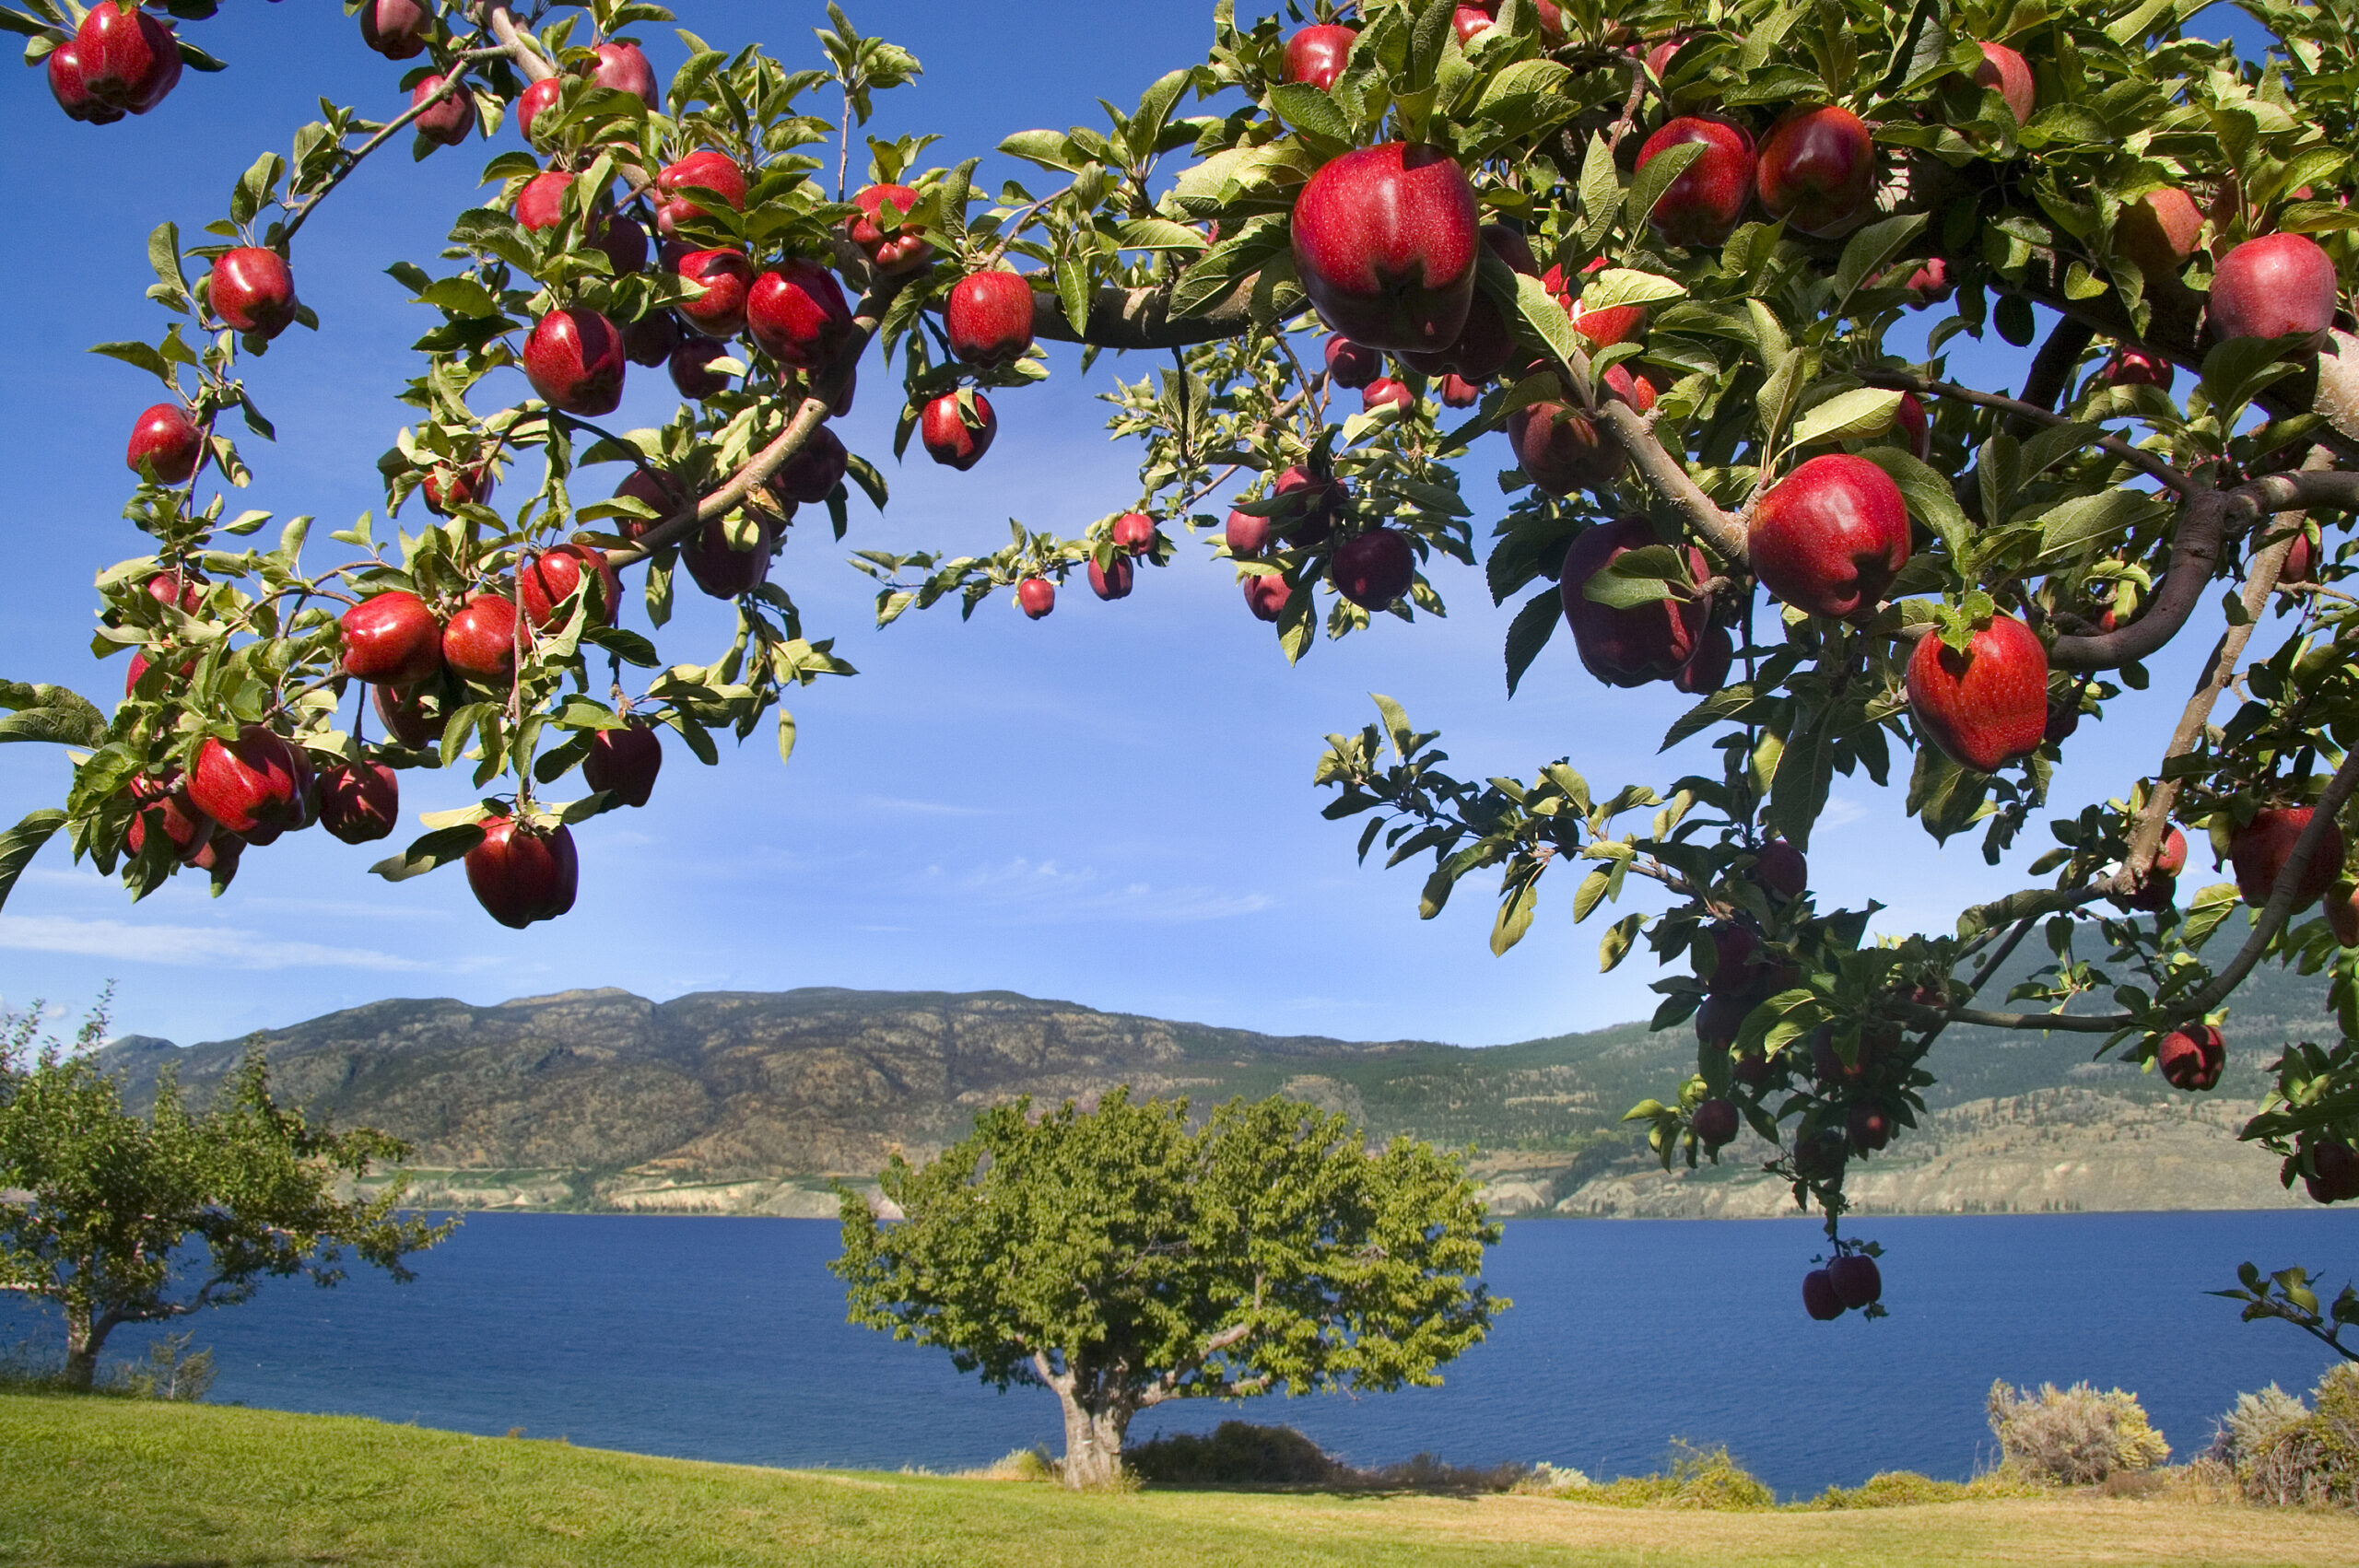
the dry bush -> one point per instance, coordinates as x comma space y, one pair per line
2074, 1436
1698, 1478
2288, 1453
1022, 1465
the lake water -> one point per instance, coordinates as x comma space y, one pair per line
722, 1338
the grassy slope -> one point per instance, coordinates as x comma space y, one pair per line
105, 1482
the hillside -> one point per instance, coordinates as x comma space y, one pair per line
747, 1102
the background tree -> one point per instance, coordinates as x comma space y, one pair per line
1122, 1260
1700, 264
102, 1202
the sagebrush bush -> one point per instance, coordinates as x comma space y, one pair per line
1022, 1465
2074, 1436
1906, 1489
1707, 1479
2286, 1452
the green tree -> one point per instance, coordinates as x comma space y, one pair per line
97, 1202
1120, 1259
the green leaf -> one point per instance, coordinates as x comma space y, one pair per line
2086, 521
1615, 945
1530, 632
434, 851
22, 842
1847, 417
1627, 285
1652, 181
1212, 276
1306, 108
1515, 913
1866, 253
1931, 500
142, 355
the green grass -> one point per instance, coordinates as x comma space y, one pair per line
127, 1484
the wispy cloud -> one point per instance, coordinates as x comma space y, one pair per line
1043, 891
924, 808
190, 946
1841, 812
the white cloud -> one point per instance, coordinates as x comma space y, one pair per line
1841, 812
190, 946
924, 808
1040, 891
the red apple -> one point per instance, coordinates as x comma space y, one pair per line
541, 204
1386, 392
446, 488
480, 641
1247, 534
392, 638
1868, 1128
1734, 947
2192, 1058
623, 763
949, 435
396, 29
1915, 426
536, 100
185, 590
165, 806
2342, 913
1469, 19
1374, 568
1486, 344
128, 59
1819, 1296
2007, 71
1830, 537
1818, 171
1134, 533
1627, 646
1604, 326
895, 250
1708, 671
622, 67
1312, 506
2259, 850
2301, 562
1385, 240
1716, 1123
252, 290
2277, 286
2333, 1176
551, 577
988, 317
1035, 596
1639, 391
1782, 869
417, 716
1562, 451
1352, 365
1457, 392
620, 240
254, 781
360, 802
574, 359
1658, 58
1987, 707
724, 276
798, 315
810, 474
651, 339
448, 122
2137, 368
707, 168
2158, 231
1856, 1281
1317, 55
65, 85
722, 571
1112, 580
689, 372
520, 875
1266, 595
1702, 206
168, 442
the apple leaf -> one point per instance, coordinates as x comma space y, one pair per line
2086, 520
1530, 632
1311, 111
1627, 285
1615, 945
143, 355
1944, 796
1728, 702
22, 842
1212, 276
1652, 181
1865, 252
1545, 320
1516, 908
431, 853
1867, 411
1931, 500
1601, 193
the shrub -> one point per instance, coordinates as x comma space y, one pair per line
170, 1371
1237, 1453
2284, 1451
2074, 1436
1544, 1480
1022, 1465
1891, 1489
1698, 1478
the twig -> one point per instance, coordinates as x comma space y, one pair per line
2144, 461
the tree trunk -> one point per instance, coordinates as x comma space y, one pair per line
1093, 1442
83, 1342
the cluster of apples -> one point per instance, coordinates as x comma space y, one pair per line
120, 61
1849, 1281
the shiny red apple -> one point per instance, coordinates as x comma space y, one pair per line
798, 315
396, 29
1352, 365
1385, 240
255, 782
950, 439
899, 249
1562, 451
1266, 595
1634, 646
1317, 55
480, 640
1035, 596
1112, 580
1987, 707
988, 317
574, 359
360, 802
1703, 205
252, 291
707, 168
520, 875
2277, 286
625, 69
392, 638
1830, 537
2259, 850
623, 763
446, 122
166, 445
552, 577
2010, 73
1374, 568
1818, 171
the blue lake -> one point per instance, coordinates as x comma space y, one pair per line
721, 1339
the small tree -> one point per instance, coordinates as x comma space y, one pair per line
1123, 1261
97, 1202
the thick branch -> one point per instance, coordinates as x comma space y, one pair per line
1668, 477
2051, 368
522, 50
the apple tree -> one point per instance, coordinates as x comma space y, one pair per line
1703, 265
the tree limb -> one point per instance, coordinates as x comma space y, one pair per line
2144, 461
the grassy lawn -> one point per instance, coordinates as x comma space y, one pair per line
128, 1484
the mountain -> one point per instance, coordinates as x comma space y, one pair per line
755, 1102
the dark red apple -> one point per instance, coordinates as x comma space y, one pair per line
1385, 240
1486, 345
65, 85
536, 100
649, 339
1562, 451
167, 441
1818, 171
252, 290
1830, 537
1782, 869
541, 204
254, 781
1916, 426
622, 67
2277, 286
1457, 392
1628, 647
165, 806
446, 488
623, 763
1266, 595
396, 29
725, 277
1987, 707
1112, 580
894, 251
810, 474
520, 875
690, 375
620, 240
2137, 368
1352, 365
551, 577
1820, 1298
445, 124
2333, 1176
129, 60
1868, 1128
417, 716
722, 571
1734, 948
1312, 506
2342, 913
1856, 1281
1708, 671
2007, 71
1386, 392
2158, 231
1317, 55
988, 317
2192, 1058
480, 640
574, 359
2259, 850
1374, 568
2301, 562
1721, 1018
1716, 1123
798, 315
707, 168
360, 802
392, 638
949, 435
1035, 596
1703, 205
1247, 534
1134, 533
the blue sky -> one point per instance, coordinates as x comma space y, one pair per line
1111, 806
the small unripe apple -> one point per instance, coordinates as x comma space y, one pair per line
254, 781
520, 875
798, 316
2277, 286
1266, 595
1386, 392
1987, 707
1562, 451
1702, 206
719, 569
689, 368
1819, 1296
360, 802
168, 442
988, 317
1352, 365
2192, 1058
574, 359
1317, 55
1782, 869
1374, 568
1830, 537
1035, 596
2259, 850
65, 85
707, 168
901, 248
623, 763
1634, 646
1818, 171
480, 640
1112, 580
623, 68
252, 290
129, 60
1708, 671
1716, 1123
949, 438
2010, 73
396, 29
535, 101
1386, 242
448, 122
2158, 231
392, 638
1134, 533
2333, 1176
551, 577
725, 277
1856, 1281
